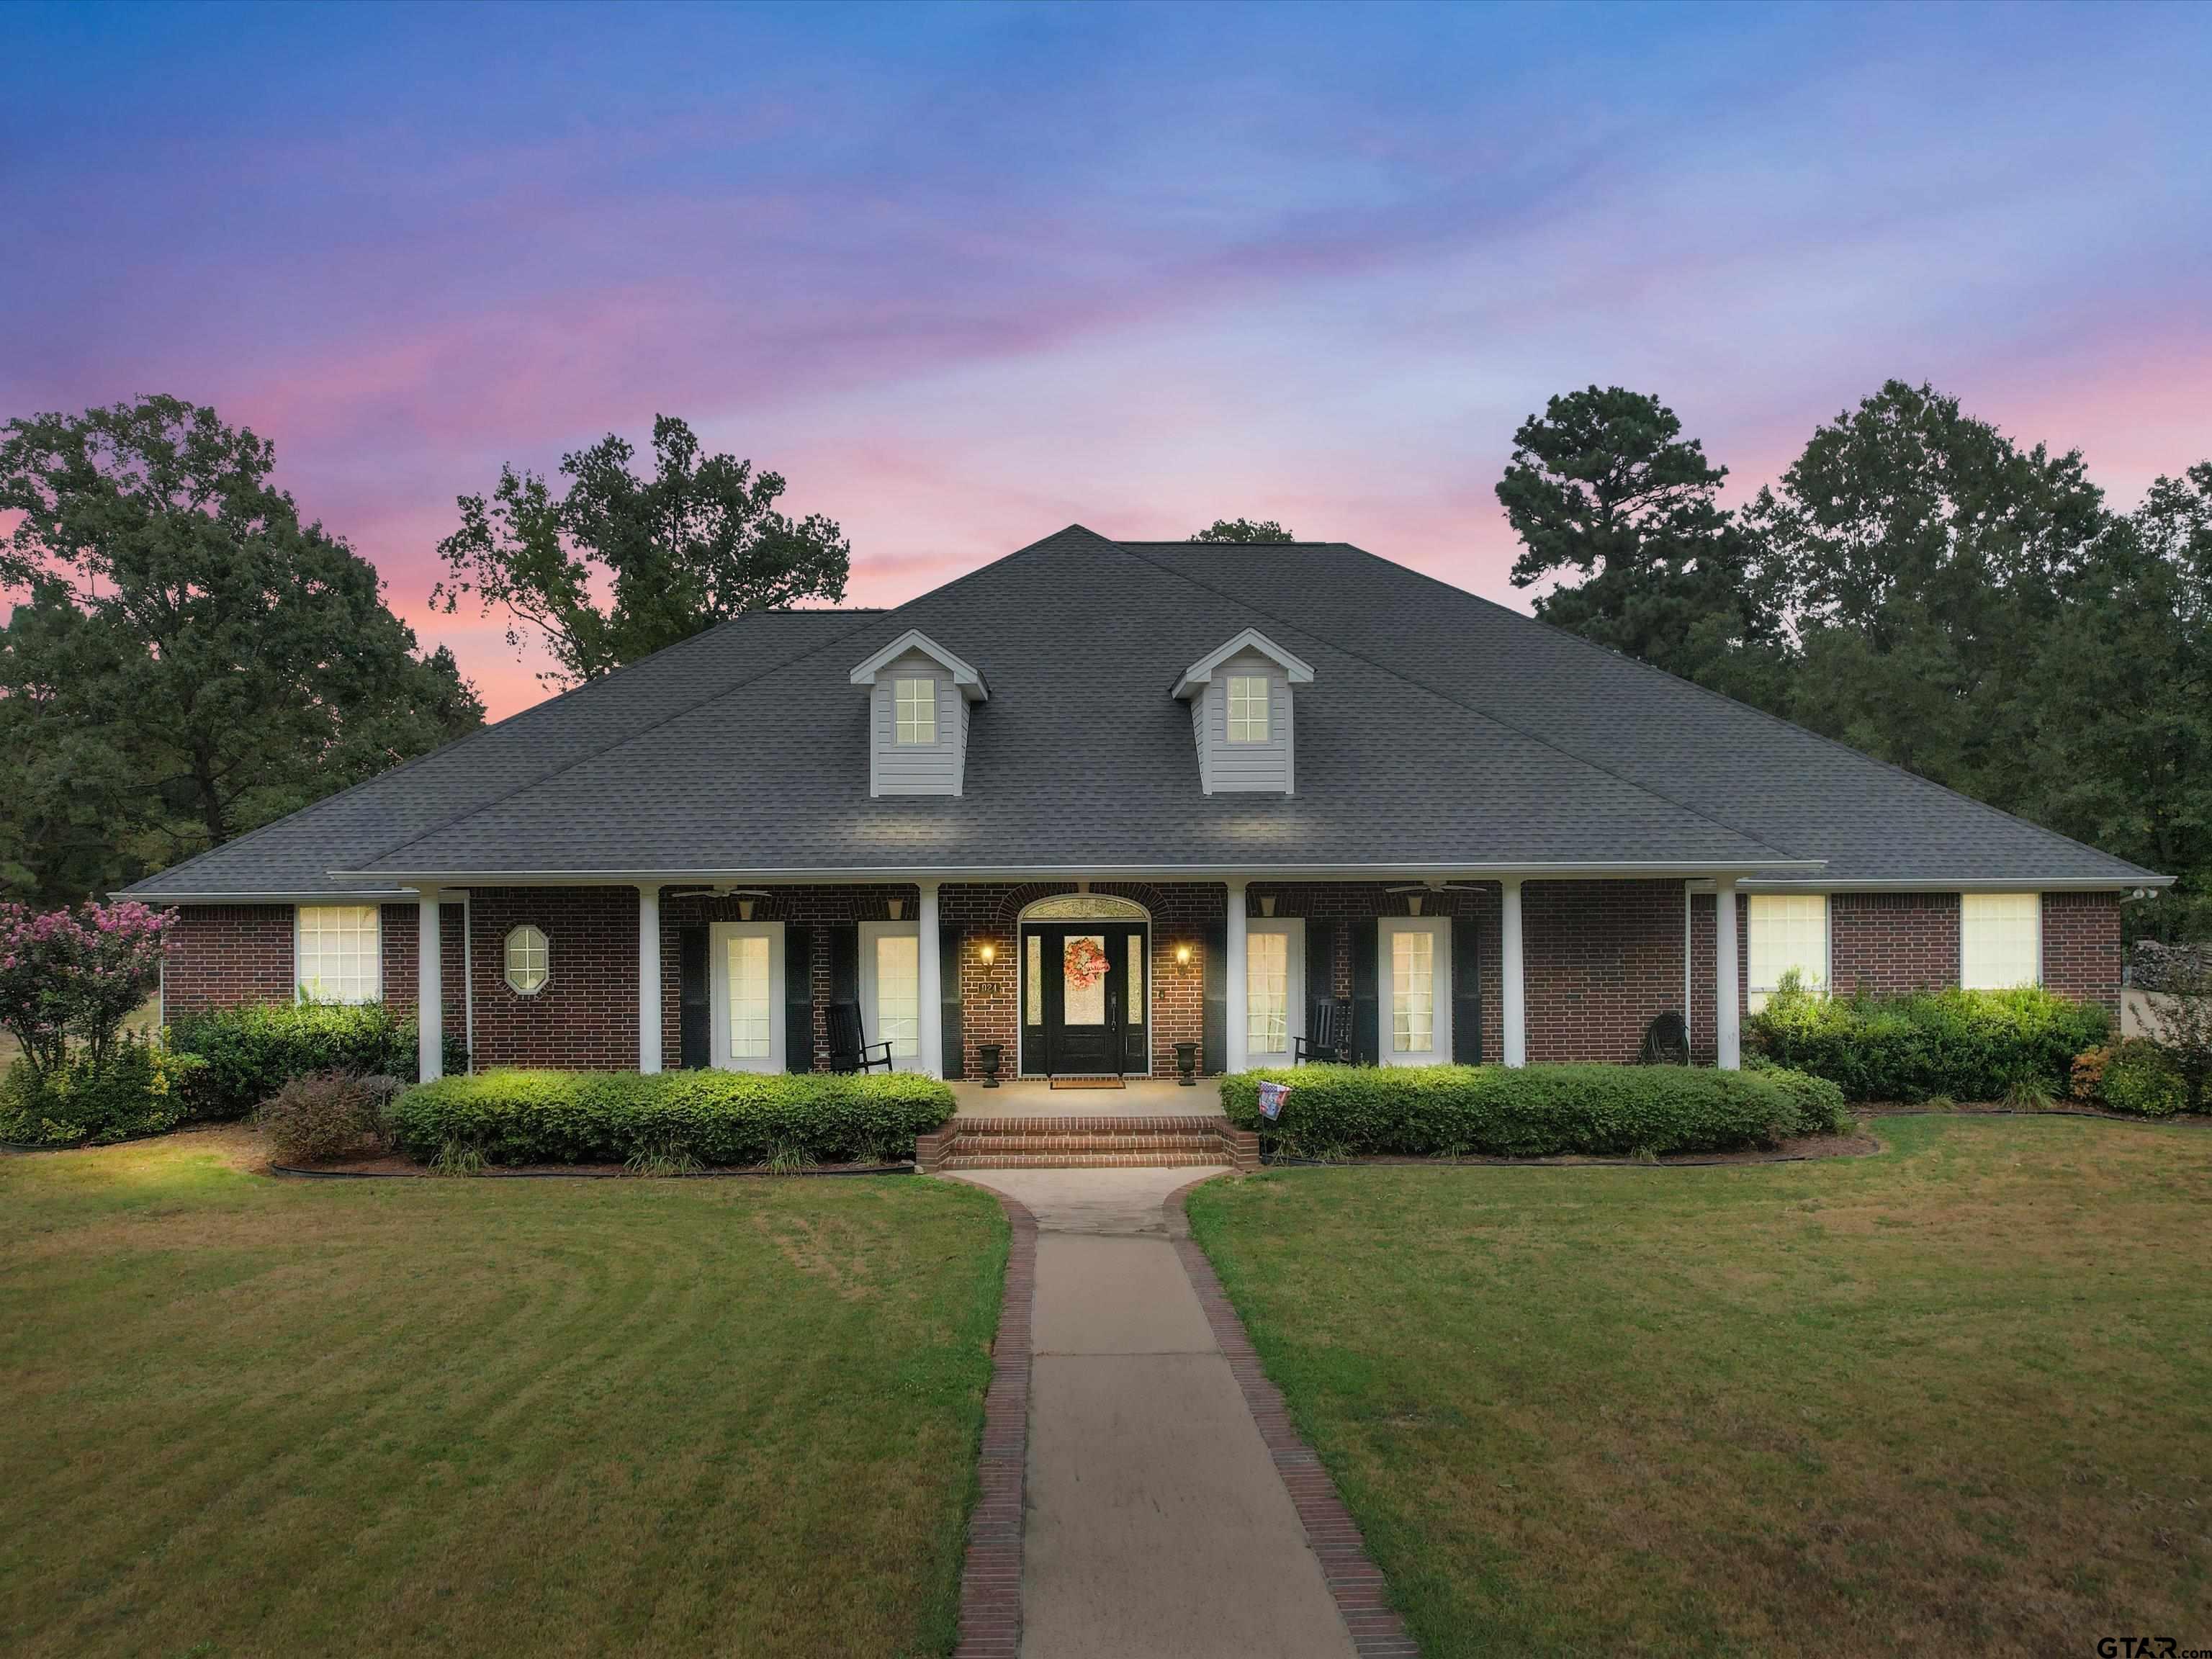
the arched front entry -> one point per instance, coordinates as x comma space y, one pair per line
1084, 958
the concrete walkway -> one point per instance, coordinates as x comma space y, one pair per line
1157, 1522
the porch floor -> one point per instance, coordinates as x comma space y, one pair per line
1142, 1097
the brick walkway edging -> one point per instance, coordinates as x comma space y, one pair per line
991, 1575
1361, 1597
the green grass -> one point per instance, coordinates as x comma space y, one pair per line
1954, 1399
244, 1416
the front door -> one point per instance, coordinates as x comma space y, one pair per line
1086, 1003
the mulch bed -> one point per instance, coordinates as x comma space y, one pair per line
1789, 1151
1994, 1109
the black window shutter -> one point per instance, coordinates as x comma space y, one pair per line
1215, 969
799, 999
1366, 1004
844, 962
1321, 964
694, 1020
1467, 992
948, 986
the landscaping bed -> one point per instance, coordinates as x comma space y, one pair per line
1949, 1399
1341, 1112
249, 1416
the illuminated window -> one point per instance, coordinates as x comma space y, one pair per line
1786, 933
751, 1035
337, 956
1248, 708
899, 992
1033, 987
526, 960
917, 711
1413, 992
1267, 992
2000, 940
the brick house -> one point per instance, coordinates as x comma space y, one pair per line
1101, 798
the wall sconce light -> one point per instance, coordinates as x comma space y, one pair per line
746, 909
896, 906
1267, 904
988, 951
1182, 956
1413, 903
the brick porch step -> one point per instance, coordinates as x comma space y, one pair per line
1087, 1140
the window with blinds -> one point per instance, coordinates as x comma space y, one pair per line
337, 957
1787, 931
2000, 940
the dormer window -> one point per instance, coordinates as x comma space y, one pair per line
1247, 707
918, 700
1241, 715
916, 710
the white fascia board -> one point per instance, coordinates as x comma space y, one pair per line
1243, 872
1201, 672
964, 674
1765, 883
386, 894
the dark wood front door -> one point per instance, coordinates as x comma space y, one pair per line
1084, 1007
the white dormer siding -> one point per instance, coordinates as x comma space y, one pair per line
921, 748
1244, 754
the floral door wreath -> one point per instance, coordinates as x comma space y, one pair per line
1085, 962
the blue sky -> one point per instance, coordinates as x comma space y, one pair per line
966, 274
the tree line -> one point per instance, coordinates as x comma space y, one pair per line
188, 659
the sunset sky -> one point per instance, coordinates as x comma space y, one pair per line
966, 274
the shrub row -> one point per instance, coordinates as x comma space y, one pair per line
1969, 1045
2137, 1076
140, 1088
671, 1120
253, 1052
1532, 1111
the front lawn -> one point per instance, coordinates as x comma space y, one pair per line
1956, 1398
245, 1416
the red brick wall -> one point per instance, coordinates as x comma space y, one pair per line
2081, 947
585, 1017
221, 956
1602, 959
1889, 943
401, 935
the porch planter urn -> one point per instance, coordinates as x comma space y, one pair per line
1187, 1064
990, 1056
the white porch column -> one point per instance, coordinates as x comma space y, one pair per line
929, 992
1513, 1000
648, 976
429, 988
1728, 1024
1233, 1037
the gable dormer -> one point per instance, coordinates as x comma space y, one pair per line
1241, 714
918, 704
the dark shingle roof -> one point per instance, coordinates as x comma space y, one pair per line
1440, 731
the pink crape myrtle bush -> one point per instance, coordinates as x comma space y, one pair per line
74, 976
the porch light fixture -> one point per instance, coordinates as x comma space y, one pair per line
1182, 956
987, 952
1413, 903
896, 906
1267, 904
746, 909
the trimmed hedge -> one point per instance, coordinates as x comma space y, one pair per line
667, 1119
1968, 1045
143, 1090
1530, 1111
253, 1052
2141, 1078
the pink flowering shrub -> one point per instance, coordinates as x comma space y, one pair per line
74, 976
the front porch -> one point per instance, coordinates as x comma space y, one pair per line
1132, 978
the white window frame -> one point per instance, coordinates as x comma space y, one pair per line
1822, 976
720, 934
1386, 978
544, 954
1239, 686
1292, 930
871, 1005
1968, 980
301, 990
923, 723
